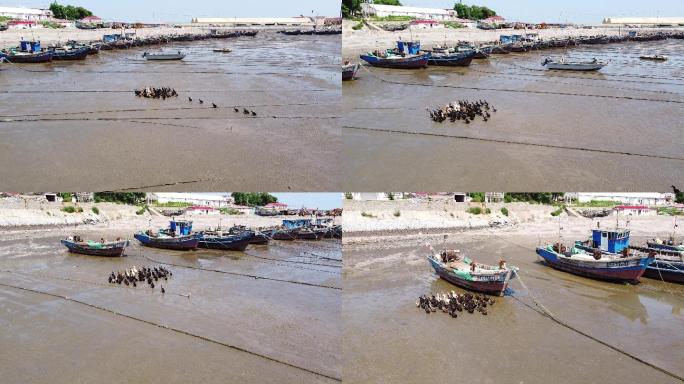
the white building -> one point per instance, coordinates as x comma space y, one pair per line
377, 196
26, 14
634, 210
202, 210
627, 198
644, 20
425, 24
200, 199
381, 10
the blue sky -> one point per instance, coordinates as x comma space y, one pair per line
184, 10
578, 11
311, 200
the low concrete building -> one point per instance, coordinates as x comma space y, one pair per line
200, 199
381, 10
628, 198
202, 210
425, 24
26, 14
494, 197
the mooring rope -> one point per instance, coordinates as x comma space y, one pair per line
177, 330
502, 141
546, 313
257, 277
296, 262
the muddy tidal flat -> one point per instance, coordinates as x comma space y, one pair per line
83, 119
64, 323
618, 129
387, 339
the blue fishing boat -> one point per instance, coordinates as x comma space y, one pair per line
94, 248
217, 239
68, 53
605, 256
177, 236
669, 258
28, 52
405, 56
261, 236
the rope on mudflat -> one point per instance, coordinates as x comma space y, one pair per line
462, 137
171, 118
511, 90
542, 310
177, 330
156, 109
297, 262
241, 274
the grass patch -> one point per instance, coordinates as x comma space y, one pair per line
348, 196
488, 211
365, 214
670, 212
95, 210
397, 213
451, 24
358, 26
475, 210
141, 211
230, 211
597, 204
558, 211
79, 209
504, 211
68, 209
393, 18
173, 204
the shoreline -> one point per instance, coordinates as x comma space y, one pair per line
357, 42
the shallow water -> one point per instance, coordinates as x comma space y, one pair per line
526, 144
291, 323
83, 118
387, 339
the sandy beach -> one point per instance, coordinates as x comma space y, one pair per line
269, 314
387, 339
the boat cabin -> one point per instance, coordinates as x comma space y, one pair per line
301, 223
409, 47
29, 46
613, 241
505, 39
180, 227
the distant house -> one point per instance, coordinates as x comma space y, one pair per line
628, 198
26, 14
202, 210
64, 23
211, 200
272, 209
634, 210
381, 10
425, 24
23, 24
91, 20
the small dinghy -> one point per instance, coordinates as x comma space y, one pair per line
164, 56
349, 71
223, 50
94, 248
593, 65
459, 270
654, 57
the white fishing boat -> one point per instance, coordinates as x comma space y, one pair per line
223, 50
654, 57
562, 64
164, 56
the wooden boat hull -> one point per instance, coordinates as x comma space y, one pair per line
349, 72
574, 67
496, 286
79, 54
412, 62
109, 250
629, 270
227, 243
286, 235
671, 271
32, 58
452, 60
180, 243
161, 57
665, 247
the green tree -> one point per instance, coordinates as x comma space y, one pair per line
69, 12
473, 12
131, 198
387, 2
350, 8
253, 198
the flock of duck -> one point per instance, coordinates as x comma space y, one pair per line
462, 110
156, 93
452, 302
135, 275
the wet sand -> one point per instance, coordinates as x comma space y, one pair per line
387, 339
83, 119
231, 328
554, 130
